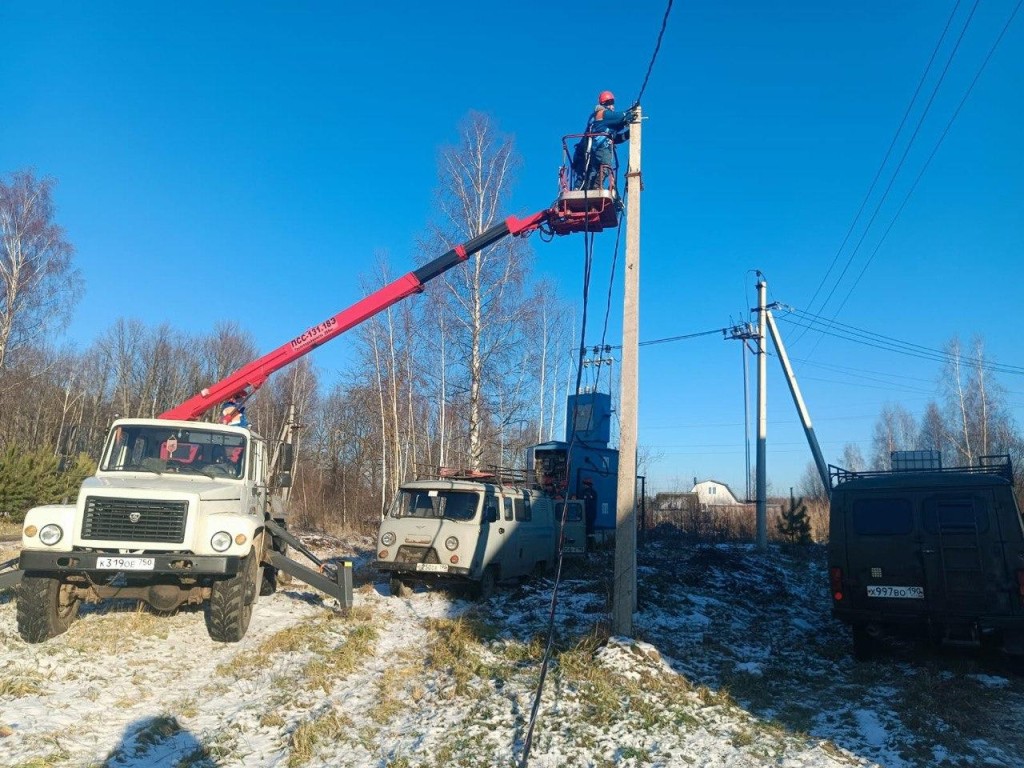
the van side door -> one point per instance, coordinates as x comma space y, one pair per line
506, 531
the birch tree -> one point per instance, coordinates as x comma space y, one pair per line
895, 430
39, 285
485, 299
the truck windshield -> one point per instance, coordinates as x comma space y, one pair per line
151, 448
450, 505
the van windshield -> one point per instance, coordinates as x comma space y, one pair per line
449, 505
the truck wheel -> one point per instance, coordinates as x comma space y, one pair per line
272, 577
487, 584
231, 602
46, 608
398, 587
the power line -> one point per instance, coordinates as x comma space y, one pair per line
681, 338
888, 153
903, 157
938, 144
657, 47
889, 344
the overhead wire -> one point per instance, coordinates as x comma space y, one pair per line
885, 159
887, 343
903, 157
654, 56
588, 257
931, 156
588, 245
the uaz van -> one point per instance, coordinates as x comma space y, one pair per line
937, 550
468, 531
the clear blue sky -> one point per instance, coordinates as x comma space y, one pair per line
247, 160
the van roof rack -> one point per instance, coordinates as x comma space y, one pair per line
488, 474
995, 464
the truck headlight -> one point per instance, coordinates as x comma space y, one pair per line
451, 543
50, 534
220, 541
388, 538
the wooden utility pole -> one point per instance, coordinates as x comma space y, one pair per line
762, 415
624, 580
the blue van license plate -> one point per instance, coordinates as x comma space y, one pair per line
913, 593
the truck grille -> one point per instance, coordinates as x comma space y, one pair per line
115, 519
407, 554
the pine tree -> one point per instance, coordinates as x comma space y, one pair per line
794, 525
31, 478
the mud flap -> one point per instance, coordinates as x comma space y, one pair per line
333, 581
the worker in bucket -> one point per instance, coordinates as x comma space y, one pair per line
595, 153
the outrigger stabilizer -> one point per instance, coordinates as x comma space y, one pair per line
9, 578
333, 580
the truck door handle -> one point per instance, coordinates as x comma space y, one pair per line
501, 530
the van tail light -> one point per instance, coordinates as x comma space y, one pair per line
1020, 585
835, 579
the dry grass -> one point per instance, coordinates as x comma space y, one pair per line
398, 686
19, 685
455, 647
335, 648
329, 726
115, 630
738, 523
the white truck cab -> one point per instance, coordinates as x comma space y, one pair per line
174, 514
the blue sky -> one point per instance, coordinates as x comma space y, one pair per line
247, 161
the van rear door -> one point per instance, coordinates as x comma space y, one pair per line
962, 571
884, 554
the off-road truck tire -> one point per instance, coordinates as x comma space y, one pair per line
272, 577
231, 602
45, 608
398, 587
488, 583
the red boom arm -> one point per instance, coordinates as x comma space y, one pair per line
247, 379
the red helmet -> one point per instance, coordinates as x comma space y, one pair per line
605, 96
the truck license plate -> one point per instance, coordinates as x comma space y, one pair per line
432, 567
125, 563
912, 593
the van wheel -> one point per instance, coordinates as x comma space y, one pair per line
487, 584
398, 587
46, 608
231, 601
863, 643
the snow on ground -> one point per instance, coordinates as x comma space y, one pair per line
736, 662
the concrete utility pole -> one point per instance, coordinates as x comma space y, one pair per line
745, 333
762, 415
798, 401
624, 579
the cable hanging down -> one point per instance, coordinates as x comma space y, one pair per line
654, 56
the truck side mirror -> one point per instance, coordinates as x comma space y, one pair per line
283, 480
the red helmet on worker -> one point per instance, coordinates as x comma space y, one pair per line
605, 96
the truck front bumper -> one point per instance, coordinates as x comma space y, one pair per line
178, 564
